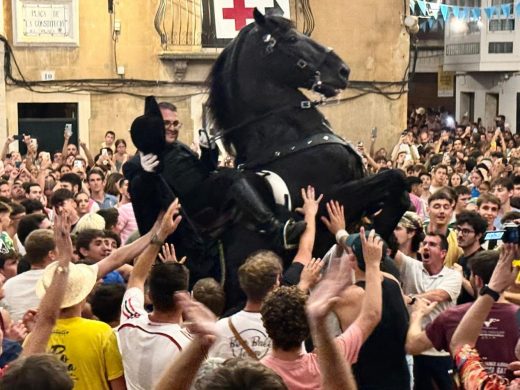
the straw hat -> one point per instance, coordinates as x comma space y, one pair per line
82, 279
89, 221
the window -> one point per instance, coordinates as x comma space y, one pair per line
501, 25
500, 47
459, 49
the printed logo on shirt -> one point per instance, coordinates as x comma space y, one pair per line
490, 322
258, 341
61, 350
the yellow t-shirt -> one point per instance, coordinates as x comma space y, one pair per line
89, 349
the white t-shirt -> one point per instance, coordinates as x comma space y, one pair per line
147, 347
20, 293
250, 328
417, 280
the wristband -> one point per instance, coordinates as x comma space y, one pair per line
156, 241
340, 235
486, 290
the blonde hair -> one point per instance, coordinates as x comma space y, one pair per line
259, 274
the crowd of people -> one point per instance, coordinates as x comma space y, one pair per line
89, 303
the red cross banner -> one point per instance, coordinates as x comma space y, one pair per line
223, 19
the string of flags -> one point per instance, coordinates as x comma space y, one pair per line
439, 13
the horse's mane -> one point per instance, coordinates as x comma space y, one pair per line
221, 83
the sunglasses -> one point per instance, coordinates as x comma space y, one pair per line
174, 123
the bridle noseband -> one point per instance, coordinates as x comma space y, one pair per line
301, 63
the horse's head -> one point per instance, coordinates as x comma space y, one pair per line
295, 60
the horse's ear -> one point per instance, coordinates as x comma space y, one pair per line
259, 17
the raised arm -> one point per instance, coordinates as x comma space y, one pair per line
371, 308
88, 155
336, 373
66, 138
144, 263
5, 148
126, 253
309, 211
503, 276
50, 304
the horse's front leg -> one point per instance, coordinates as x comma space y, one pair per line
385, 191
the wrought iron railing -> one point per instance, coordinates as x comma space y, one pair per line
179, 24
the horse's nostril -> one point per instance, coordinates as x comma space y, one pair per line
344, 71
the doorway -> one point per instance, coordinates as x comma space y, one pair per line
46, 122
491, 109
467, 105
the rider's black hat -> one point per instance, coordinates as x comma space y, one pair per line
147, 131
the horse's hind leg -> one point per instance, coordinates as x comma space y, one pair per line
385, 191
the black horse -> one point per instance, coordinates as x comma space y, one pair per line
268, 124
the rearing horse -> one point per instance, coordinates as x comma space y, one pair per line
268, 124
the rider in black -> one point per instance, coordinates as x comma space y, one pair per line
210, 198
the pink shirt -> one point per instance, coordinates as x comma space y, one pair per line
304, 372
126, 221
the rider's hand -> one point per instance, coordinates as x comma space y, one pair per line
149, 162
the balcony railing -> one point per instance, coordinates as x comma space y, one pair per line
179, 24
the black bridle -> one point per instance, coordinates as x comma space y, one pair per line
301, 65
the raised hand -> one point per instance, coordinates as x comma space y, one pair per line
311, 274
168, 255
310, 203
328, 290
170, 220
372, 247
336, 220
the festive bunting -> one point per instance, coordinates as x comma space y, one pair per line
422, 6
489, 12
412, 5
506, 9
423, 26
476, 12
462, 13
445, 11
455, 11
430, 23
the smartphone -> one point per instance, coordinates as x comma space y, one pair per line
46, 156
374, 132
78, 164
17, 164
16, 137
68, 129
104, 152
34, 141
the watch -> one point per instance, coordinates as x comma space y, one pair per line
156, 241
488, 291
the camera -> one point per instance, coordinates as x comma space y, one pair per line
509, 234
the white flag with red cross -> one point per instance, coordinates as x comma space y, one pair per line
231, 15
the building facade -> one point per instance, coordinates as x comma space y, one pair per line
92, 64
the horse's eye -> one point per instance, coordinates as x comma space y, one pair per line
292, 39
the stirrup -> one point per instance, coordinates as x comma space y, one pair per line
291, 222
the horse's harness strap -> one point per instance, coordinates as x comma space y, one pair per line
304, 105
288, 149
